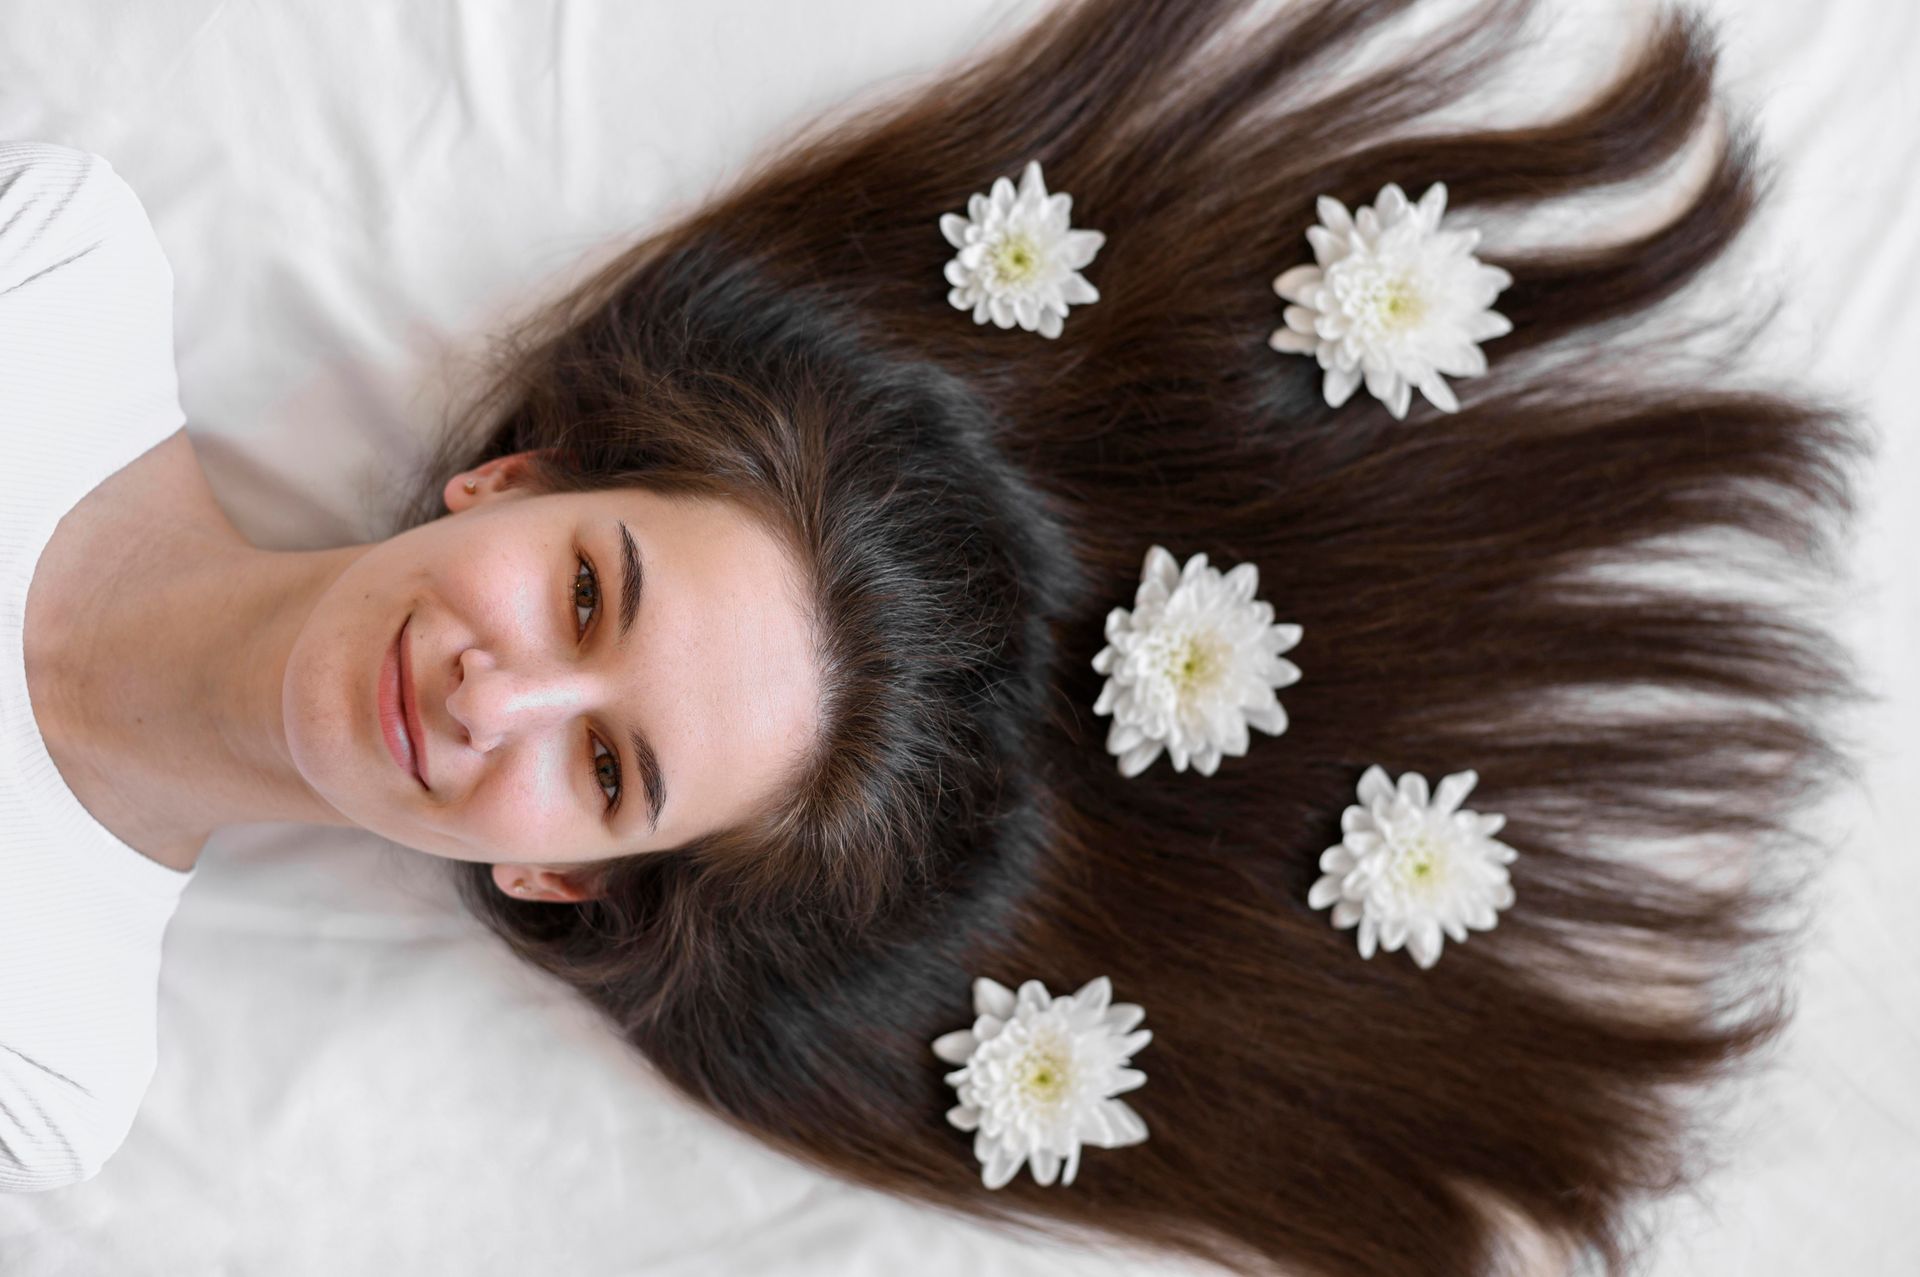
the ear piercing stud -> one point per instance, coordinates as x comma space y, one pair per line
472, 486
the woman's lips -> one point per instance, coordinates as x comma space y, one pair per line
410, 706
393, 716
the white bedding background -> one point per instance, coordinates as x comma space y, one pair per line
352, 1078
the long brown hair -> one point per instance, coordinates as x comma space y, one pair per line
969, 502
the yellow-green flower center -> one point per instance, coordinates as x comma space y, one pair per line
1378, 297
1399, 304
1193, 663
1015, 259
1044, 1073
1419, 862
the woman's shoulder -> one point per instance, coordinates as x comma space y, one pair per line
86, 324
60, 204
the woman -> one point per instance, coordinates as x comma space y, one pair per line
875, 544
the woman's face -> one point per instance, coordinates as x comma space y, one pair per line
529, 696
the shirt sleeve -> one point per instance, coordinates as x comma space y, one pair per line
86, 301
80, 959
53, 1133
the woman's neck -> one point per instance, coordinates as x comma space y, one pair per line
157, 639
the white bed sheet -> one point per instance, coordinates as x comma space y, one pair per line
351, 1078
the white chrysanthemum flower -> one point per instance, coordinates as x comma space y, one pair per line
1019, 260
1193, 665
1393, 300
1407, 870
1039, 1076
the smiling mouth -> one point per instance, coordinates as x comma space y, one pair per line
401, 737
410, 708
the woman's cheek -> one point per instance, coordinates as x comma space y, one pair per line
527, 813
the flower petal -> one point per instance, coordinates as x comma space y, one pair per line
955, 1047
1132, 1129
1393, 933
1339, 385
1300, 319
1488, 324
1289, 342
1461, 360
1374, 785
1439, 393
1333, 214
1032, 185
1079, 248
1033, 996
1382, 383
1076, 291
1326, 249
1094, 995
1271, 719
1452, 789
1160, 566
1073, 1165
1295, 283
1402, 398
1002, 1164
1392, 203
1424, 943
990, 997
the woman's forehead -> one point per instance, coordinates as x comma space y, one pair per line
721, 651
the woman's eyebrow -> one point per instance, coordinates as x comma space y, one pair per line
651, 778
631, 579
645, 762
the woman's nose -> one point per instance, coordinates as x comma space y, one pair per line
495, 701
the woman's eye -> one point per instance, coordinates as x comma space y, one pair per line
609, 774
584, 581
586, 597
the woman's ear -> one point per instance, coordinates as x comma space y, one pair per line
544, 882
484, 482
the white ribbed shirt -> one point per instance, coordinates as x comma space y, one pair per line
87, 384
